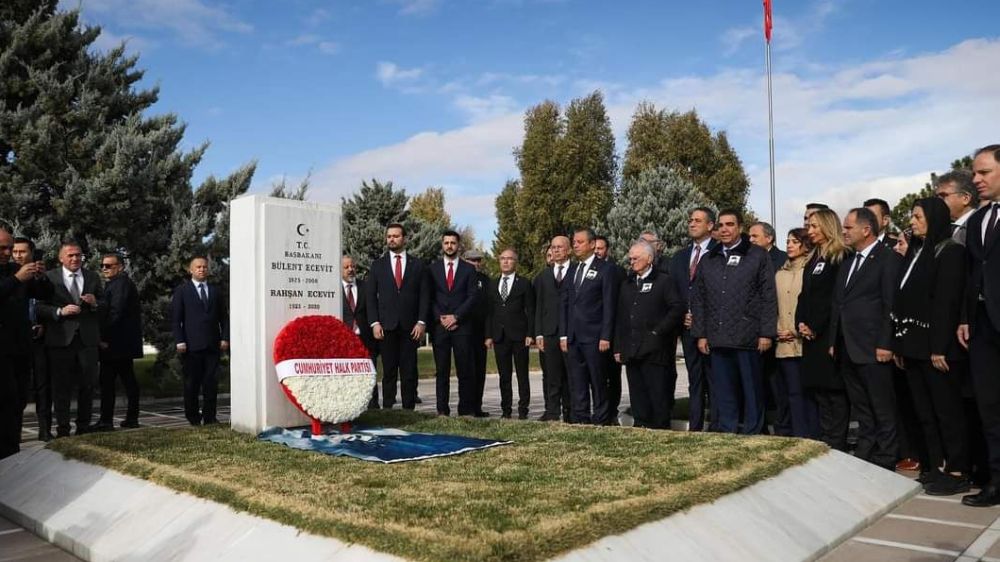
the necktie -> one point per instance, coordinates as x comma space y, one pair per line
350, 303
74, 290
578, 280
503, 289
399, 272
203, 295
991, 227
559, 276
451, 275
854, 269
694, 262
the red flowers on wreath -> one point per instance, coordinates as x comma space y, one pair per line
317, 337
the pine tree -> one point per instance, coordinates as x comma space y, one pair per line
82, 158
587, 161
659, 200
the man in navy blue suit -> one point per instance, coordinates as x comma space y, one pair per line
683, 268
588, 318
201, 331
398, 302
454, 296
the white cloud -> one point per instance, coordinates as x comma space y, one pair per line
311, 39
390, 74
194, 21
416, 7
875, 128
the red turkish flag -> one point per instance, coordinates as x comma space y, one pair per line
767, 20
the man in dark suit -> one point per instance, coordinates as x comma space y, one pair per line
612, 369
510, 315
762, 234
683, 268
980, 331
861, 326
649, 314
585, 329
201, 333
121, 341
19, 282
454, 294
72, 335
398, 302
549, 285
475, 258
354, 313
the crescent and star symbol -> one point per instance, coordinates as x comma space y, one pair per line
302, 229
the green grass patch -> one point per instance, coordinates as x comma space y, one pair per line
558, 487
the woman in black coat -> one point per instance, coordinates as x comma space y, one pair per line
926, 316
820, 379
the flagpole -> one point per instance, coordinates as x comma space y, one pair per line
770, 129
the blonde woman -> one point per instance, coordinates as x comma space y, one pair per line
820, 379
797, 413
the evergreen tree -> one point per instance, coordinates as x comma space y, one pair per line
508, 232
659, 200
647, 141
587, 161
364, 218
901, 210
429, 206
282, 190
540, 199
82, 159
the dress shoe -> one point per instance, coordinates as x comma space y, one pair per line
548, 417
928, 477
522, 415
505, 415
948, 485
418, 400
481, 414
45, 436
908, 464
103, 426
988, 496
129, 424
83, 429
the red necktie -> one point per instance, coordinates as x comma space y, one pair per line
399, 272
451, 275
350, 303
694, 262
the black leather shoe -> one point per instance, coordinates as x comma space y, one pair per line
129, 424
505, 415
988, 496
948, 485
548, 417
418, 400
481, 415
103, 426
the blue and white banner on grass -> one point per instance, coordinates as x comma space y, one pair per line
385, 445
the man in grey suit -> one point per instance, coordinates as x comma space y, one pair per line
72, 336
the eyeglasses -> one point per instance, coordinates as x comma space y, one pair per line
108, 265
945, 194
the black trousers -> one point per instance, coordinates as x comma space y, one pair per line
834, 416
445, 345
613, 377
556, 380
587, 380
909, 430
479, 361
786, 385
11, 408
513, 356
112, 369
699, 372
41, 381
937, 398
984, 357
73, 367
201, 375
399, 362
651, 390
873, 397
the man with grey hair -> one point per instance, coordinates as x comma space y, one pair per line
649, 314
762, 234
956, 190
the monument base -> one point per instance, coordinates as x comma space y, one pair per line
99, 514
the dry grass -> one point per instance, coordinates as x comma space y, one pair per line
559, 487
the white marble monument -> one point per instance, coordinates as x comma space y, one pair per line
284, 263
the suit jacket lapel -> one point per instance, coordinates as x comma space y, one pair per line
866, 264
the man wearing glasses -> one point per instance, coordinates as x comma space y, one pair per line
121, 342
72, 335
956, 190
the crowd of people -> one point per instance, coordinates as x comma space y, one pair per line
900, 334
67, 331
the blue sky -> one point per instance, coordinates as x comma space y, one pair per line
870, 95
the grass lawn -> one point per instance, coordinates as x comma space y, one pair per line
558, 487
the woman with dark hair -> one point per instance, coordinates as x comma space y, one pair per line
787, 382
926, 316
820, 379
